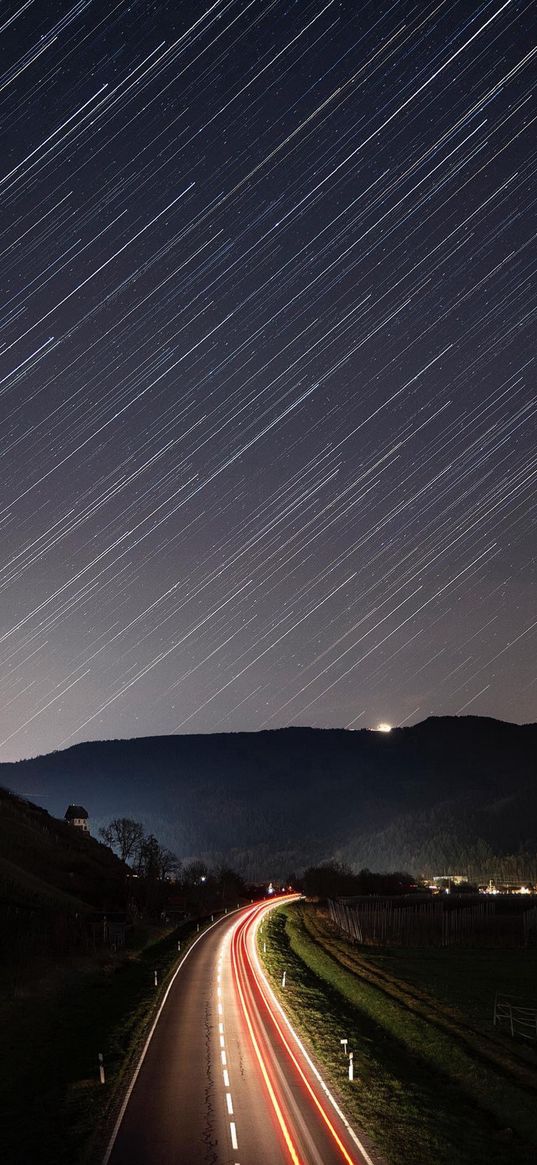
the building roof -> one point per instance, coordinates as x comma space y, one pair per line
73, 811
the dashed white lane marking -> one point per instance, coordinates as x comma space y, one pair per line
225, 1073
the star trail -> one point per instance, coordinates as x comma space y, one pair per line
267, 365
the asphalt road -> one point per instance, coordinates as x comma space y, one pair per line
224, 1080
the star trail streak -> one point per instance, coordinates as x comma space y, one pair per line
267, 365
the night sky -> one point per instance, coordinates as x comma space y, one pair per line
269, 313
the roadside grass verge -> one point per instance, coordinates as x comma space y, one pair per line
55, 1111
418, 1094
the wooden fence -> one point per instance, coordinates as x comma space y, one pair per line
439, 922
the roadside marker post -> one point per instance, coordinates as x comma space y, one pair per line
351, 1066
178, 944
156, 978
284, 976
101, 1068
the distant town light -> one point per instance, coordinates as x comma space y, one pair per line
383, 727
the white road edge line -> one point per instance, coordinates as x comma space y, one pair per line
308, 1059
128, 1093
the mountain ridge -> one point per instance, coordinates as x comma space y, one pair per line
293, 796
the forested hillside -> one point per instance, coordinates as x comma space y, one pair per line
448, 792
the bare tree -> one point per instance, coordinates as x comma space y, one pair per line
149, 858
169, 864
125, 837
195, 873
155, 862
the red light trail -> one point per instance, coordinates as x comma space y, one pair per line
222, 1067
257, 1005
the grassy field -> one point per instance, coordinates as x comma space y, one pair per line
462, 983
52, 1031
431, 1086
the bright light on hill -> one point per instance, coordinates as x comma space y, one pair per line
384, 727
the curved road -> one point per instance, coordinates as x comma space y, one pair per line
224, 1079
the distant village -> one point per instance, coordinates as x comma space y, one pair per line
447, 883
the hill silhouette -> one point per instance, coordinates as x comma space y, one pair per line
54, 880
449, 792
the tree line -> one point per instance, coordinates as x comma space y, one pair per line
337, 880
142, 852
155, 866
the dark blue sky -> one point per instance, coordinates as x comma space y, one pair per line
267, 365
